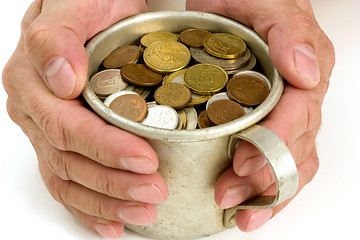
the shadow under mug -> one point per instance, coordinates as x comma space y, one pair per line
191, 160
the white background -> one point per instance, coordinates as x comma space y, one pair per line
327, 208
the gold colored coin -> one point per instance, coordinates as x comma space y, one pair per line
173, 95
223, 111
122, 56
182, 115
166, 57
202, 56
205, 79
140, 75
194, 37
224, 45
178, 77
130, 106
154, 37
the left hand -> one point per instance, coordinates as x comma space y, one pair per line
305, 57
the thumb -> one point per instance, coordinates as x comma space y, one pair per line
55, 40
290, 30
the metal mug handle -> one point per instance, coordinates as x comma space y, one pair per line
281, 162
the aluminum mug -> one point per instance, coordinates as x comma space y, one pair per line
191, 160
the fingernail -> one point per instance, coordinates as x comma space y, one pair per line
107, 231
147, 194
61, 77
258, 218
307, 65
136, 214
235, 195
251, 165
138, 165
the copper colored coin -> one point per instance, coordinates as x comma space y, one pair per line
130, 106
223, 111
194, 37
174, 95
203, 120
122, 56
247, 90
140, 75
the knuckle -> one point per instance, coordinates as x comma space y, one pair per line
58, 164
52, 124
6, 79
36, 34
100, 208
267, 177
107, 185
59, 189
310, 169
262, 179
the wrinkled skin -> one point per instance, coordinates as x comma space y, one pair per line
108, 177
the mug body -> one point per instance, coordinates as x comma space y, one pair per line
190, 160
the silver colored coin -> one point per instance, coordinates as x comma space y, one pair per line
251, 64
115, 95
151, 104
161, 116
248, 109
201, 56
144, 92
107, 82
191, 117
258, 75
218, 96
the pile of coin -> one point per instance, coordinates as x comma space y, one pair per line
181, 81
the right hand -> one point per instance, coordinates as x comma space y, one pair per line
105, 176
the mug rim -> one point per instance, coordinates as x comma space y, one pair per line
214, 132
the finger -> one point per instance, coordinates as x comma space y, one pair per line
150, 188
231, 189
70, 126
296, 120
96, 204
106, 228
250, 220
290, 31
55, 40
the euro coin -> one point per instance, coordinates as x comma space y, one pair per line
205, 79
224, 45
122, 56
201, 56
178, 77
174, 95
183, 120
247, 90
203, 120
224, 111
194, 37
155, 37
166, 57
130, 106
140, 75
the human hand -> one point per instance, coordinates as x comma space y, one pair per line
105, 176
305, 57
